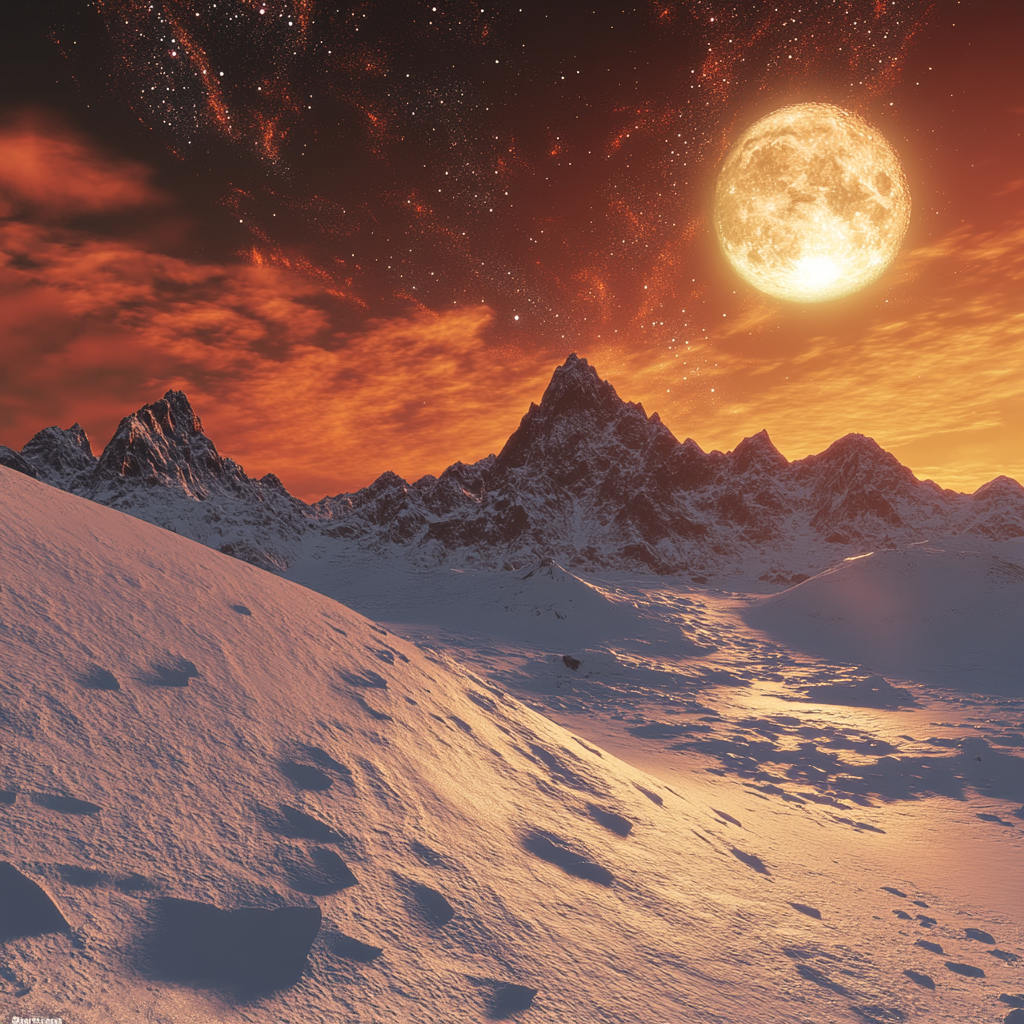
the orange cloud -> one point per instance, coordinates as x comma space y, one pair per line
930, 361
94, 328
935, 373
59, 174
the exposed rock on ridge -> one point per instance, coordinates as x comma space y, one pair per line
586, 478
595, 482
160, 466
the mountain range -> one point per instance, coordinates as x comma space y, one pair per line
587, 479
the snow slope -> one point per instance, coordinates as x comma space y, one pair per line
181, 726
946, 617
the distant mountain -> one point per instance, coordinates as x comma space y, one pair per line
161, 467
595, 482
587, 479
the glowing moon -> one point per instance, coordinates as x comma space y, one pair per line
811, 203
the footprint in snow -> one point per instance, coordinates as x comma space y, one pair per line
251, 950
508, 999
810, 973
653, 797
98, 678
177, 673
616, 823
809, 911
966, 970
979, 935
319, 872
73, 874
557, 851
750, 860
727, 817
305, 776
27, 909
427, 856
879, 1014
301, 825
432, 904
65, 804
932, 947
366, 678
324, 760
920, 979
352, 949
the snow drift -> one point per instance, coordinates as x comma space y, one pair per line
946, 617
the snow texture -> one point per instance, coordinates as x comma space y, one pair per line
349, 827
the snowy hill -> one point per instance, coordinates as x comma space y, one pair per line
228, 797
587, 480
949, 618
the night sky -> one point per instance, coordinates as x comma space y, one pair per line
360, 237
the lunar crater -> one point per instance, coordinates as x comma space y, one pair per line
811, 203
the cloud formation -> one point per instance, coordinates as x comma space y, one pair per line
930, 362
56, 173
93, 328
935, 373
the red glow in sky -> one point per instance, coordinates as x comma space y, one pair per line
359, 249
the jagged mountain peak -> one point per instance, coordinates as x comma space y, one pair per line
57, 455
757, 451
587, 478
576, 385
1000, 485
171, 415
856, 448
164, 443
577, 413
13, 460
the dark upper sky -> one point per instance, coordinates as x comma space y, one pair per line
430, 204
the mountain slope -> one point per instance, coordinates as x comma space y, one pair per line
586, 479
205, 757
949, 618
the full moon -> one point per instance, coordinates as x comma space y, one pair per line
811, 203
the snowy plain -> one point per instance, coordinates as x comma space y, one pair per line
447, 795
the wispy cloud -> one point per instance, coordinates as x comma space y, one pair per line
93, 328
936, 375
55, 172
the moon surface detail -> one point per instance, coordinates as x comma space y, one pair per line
811, 203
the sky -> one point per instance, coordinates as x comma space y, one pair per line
360, 237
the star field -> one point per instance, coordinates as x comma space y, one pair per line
398, 217
552, 164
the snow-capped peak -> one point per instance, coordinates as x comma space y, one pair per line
587, 479
57, 455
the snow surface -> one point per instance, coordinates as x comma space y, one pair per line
262, 734
949, 618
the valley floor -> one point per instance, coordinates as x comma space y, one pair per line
910, 816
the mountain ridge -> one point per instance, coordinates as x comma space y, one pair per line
586, 478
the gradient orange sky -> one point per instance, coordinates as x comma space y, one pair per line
102, 310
